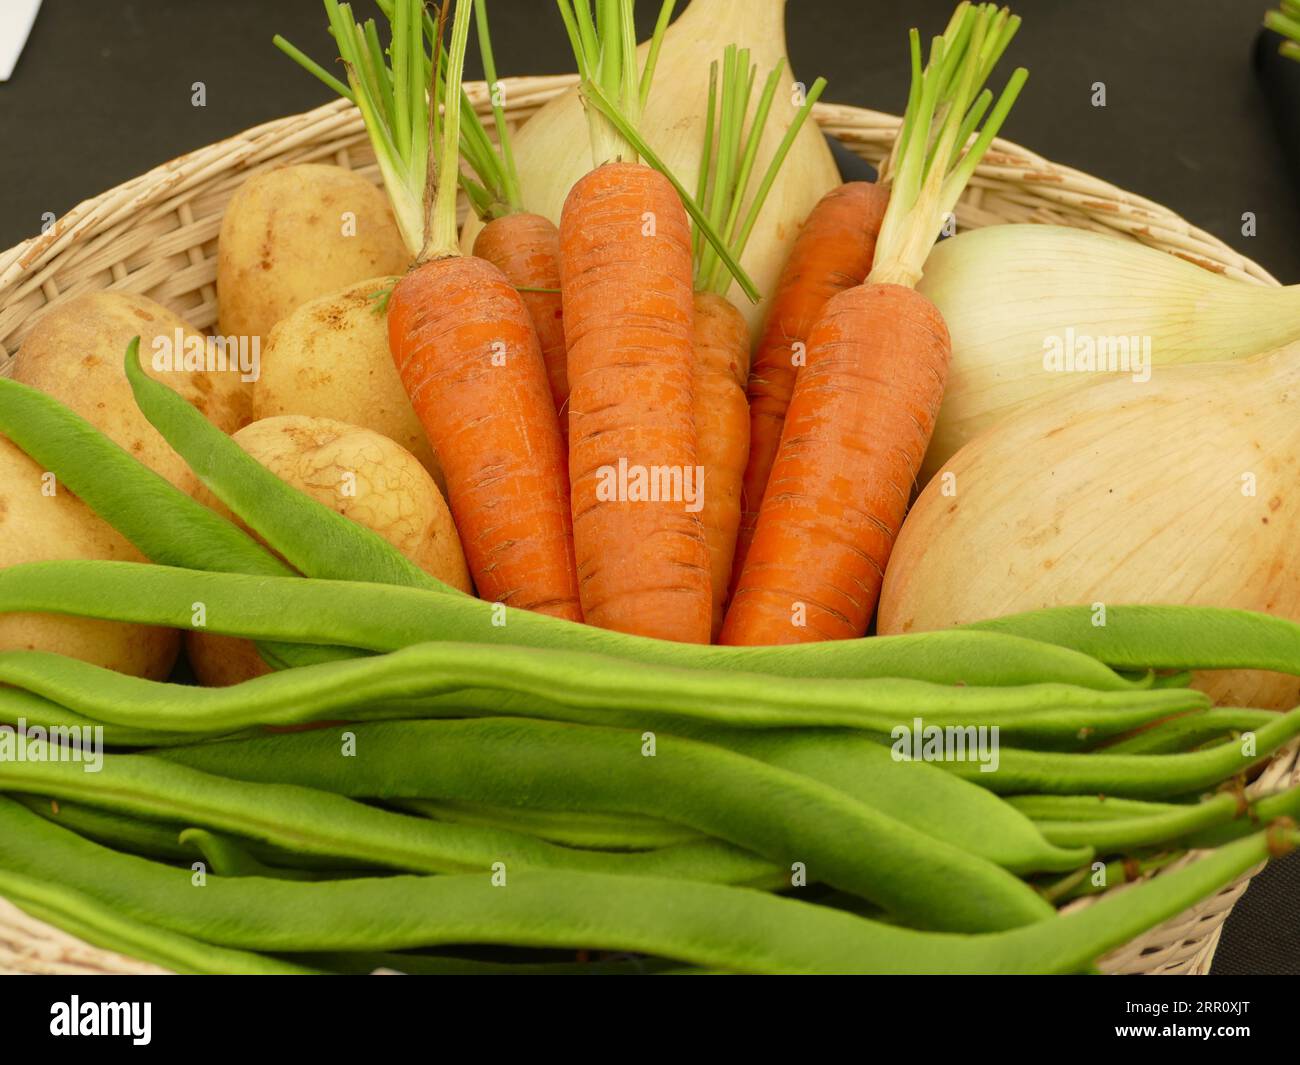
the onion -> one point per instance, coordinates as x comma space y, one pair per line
1010, 293
1185, 489
550, 148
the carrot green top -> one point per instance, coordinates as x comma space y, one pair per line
945, 105
416, 139
728, 156
1286, 21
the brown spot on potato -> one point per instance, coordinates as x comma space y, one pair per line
1275, 503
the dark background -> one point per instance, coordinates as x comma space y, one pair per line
102, 93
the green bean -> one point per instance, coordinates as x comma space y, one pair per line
1123, 834
159, 519
382, 618
102, 926
1138, 776
1188, 730
916, 793
1086, 881
731, 929
316, 822
1163, 637
23, 710
1087, 807
570, 828
160, 840
227, 856
571, 684
785, 817
164, 523
315, 540
1280, 807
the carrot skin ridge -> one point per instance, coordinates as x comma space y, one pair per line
858, 425
468, 355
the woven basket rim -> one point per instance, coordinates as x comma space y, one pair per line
1012, 184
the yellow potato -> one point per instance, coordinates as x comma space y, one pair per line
330, 359
365, 477
297, 233
75, 354
40, 521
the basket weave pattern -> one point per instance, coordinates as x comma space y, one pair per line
157, 235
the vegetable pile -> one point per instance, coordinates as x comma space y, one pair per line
532, 611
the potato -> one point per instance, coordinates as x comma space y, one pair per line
330, 359
75, 354
364, 476
40, 521
293, 234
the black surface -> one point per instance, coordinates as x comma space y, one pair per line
103, 92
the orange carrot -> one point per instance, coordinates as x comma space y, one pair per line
855, 434
864, 405
526, 248
461, 338
626, 278
727, 159
722, 427
625, 273
833, 252
468, 356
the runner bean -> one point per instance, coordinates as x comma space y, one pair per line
390, 618
781, 815
709, 925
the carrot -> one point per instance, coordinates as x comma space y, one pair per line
864, 405
721, 338
526, 248
461, 337
626, 280
833, 252
643, 564
522, 245
468, 356
721, 416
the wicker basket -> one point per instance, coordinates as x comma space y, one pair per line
157, 235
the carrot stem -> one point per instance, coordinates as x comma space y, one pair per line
706, 158
312, 67
652, 57
442, 240
724, 184
741, 241
931, 162
509, 172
